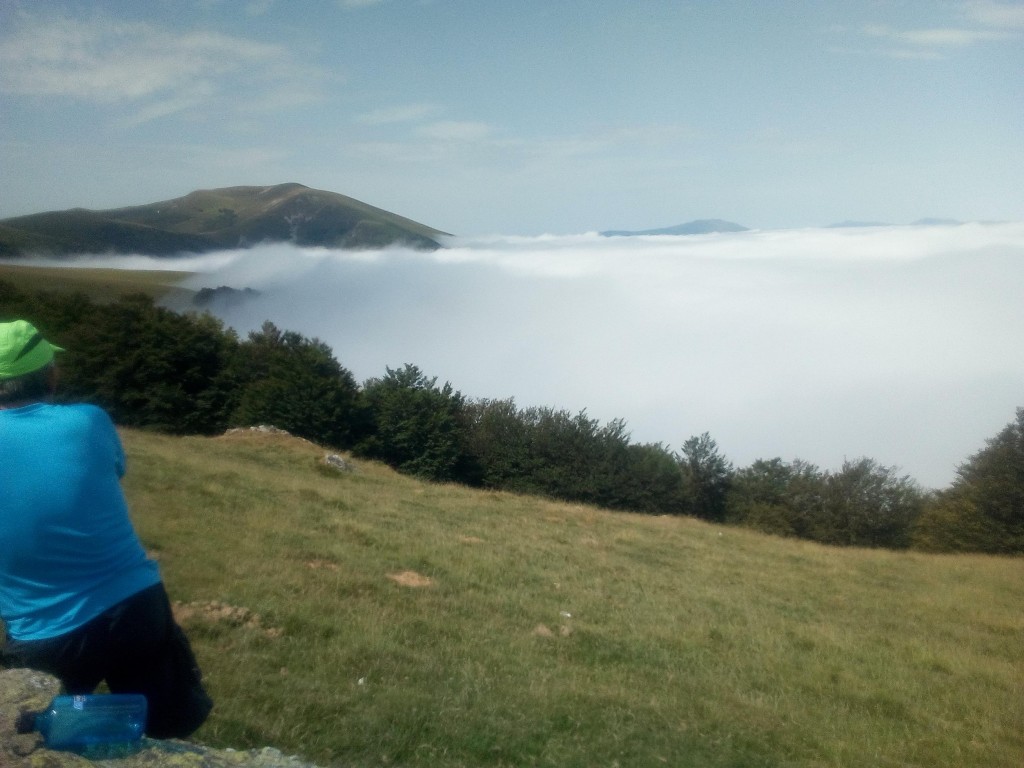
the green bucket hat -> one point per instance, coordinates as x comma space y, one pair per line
23, 349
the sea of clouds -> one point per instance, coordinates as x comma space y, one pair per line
903, 344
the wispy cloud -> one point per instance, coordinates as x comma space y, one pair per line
156, 71
979, 22
935, 38
403, 113
181, 101
1008, 16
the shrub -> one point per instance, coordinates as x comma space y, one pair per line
983, 511
417, 427
294, 383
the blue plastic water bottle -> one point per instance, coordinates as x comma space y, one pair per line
79, 722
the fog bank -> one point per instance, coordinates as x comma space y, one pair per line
903, 344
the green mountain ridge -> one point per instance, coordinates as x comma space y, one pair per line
215, 219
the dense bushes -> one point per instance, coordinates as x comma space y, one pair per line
777, 497
863, 504
153, 368
556, 453
186, 374
417, 427
294, 383
983, 511
147, 366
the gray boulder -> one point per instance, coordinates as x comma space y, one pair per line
23, 689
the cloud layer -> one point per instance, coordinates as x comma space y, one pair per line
898, 343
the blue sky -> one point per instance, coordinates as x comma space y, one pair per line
527, 116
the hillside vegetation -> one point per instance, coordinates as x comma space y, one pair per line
369, 618
374, 618
186, 374
215, 219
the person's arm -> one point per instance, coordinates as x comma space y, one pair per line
108, 435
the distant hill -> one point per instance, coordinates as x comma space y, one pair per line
931, 222
698, 227
215, 219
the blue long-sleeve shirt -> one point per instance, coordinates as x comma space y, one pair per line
68, 550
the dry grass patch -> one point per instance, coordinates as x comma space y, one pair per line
411, 579
216, 612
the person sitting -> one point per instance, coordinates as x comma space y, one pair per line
79, 597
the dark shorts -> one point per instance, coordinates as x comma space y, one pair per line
136, 647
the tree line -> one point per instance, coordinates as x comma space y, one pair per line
186, 373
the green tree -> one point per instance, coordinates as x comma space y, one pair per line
773, 496
983, 511
558, 454
563, 454
646, 478
499, 442
869, 505
284, 379
952, 522
418, 427
707, 475
148, 366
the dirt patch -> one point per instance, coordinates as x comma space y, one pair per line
322, 565
543, 630
471, 540
411, 579
216, 612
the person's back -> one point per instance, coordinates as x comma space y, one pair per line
77, 553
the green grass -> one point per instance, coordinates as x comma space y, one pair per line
100, 285
554, 634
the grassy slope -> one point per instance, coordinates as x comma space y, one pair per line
100, 285
201, 212
554, 634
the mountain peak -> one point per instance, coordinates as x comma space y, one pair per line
216, 219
